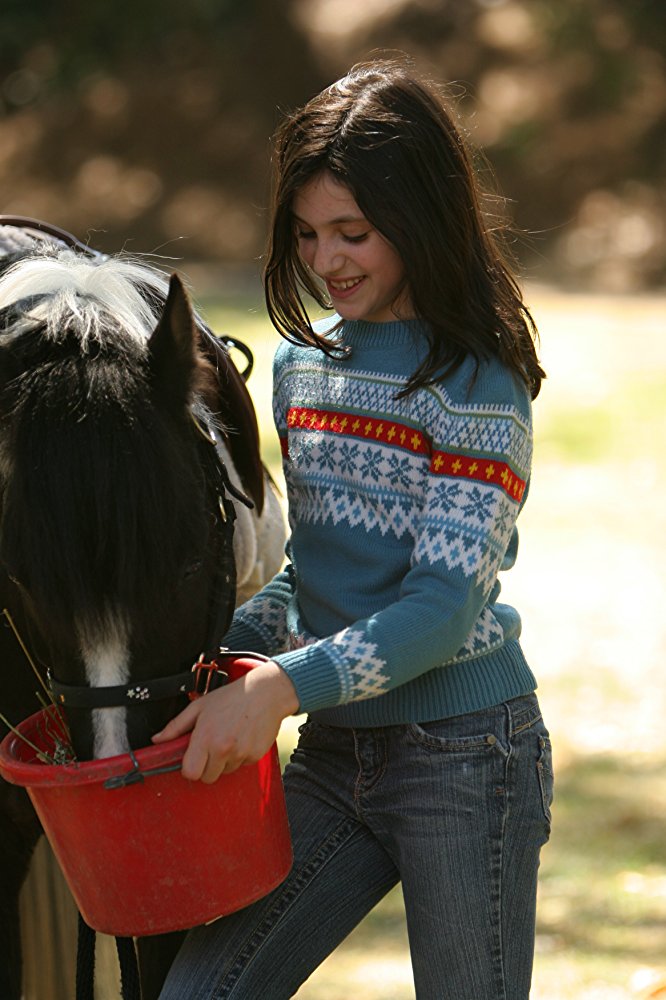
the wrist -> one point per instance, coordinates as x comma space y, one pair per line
282, 690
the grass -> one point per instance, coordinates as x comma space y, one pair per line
590, 586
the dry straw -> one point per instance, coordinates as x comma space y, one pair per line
56, 723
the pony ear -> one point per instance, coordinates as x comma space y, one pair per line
171, 348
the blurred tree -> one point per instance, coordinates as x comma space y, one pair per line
149, 121
568, 100
152, 120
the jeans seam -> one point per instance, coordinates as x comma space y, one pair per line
360, 786
289, 894
508, 761
522, 726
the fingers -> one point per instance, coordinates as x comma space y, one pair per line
206, 759
233, 725
179, 725
211, 750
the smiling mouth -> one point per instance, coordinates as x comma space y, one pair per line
345, 285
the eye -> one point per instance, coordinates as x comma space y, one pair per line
356, 239
304, 234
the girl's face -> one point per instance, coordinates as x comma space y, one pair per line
363, 274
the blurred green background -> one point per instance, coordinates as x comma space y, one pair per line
145, 126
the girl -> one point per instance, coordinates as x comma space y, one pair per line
406, 433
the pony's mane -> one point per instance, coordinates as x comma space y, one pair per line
64, 290
103, 499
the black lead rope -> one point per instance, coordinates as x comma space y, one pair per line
85, 962
130, 982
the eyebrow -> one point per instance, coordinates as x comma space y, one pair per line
334, 222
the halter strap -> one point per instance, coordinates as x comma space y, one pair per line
48, 229
200, 679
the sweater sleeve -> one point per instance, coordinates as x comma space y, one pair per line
474, 488
260, 624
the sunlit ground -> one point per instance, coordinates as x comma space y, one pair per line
591, 588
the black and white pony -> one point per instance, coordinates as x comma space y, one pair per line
128, 446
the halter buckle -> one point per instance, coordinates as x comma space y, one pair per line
207, 677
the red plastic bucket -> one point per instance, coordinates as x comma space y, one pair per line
162, 854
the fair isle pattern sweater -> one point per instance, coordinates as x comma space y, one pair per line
402, 512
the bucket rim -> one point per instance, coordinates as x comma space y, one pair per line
29, 773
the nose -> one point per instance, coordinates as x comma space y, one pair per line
328, 258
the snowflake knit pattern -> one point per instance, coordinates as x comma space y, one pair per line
402, 513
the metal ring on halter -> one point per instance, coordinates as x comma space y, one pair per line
204, 429
230, 342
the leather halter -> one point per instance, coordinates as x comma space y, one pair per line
47, 229
199, 679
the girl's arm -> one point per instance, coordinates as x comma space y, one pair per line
260, 624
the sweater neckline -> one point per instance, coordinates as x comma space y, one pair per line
361, 333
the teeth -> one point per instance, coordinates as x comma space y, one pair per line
344, 285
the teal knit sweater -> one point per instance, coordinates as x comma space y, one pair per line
402, 512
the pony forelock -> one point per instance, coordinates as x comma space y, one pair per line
63, 290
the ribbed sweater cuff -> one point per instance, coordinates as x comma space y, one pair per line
314, 676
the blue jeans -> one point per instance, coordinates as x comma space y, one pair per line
457, 810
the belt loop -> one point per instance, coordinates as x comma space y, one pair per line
509, 721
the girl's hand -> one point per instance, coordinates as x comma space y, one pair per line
233, 725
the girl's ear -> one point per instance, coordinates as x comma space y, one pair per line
171, 347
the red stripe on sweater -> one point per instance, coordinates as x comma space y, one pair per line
399, 435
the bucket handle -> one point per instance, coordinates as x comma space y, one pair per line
136, 774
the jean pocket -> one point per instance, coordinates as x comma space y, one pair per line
545, 775
315, 734
439, 737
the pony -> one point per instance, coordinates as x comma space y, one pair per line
133, 502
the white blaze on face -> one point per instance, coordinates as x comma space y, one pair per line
105, 654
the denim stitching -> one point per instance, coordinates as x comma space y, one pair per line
524, 719
545, 783
291, 890
508, 762
361, 785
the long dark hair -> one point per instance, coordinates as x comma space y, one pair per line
389, 137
